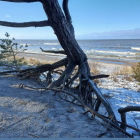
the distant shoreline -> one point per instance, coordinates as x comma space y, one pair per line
83, 39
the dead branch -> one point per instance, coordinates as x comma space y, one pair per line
33, 135
98, 76
103, 100
26, 24
129, 108
101, 134
136, 123
50, 51
28, 1
6, 72
107, 128
123, 111
125, 124
7, 65
43, 68
84, 105
39, 69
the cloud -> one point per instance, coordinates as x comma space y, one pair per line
7, 16
117, 34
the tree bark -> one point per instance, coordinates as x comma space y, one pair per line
62, 31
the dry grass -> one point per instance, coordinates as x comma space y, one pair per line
129, 78
33, 61
125, 71
30, 61
136, 71
94, 68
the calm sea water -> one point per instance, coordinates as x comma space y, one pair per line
124, 49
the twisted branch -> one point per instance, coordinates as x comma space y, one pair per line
84, 105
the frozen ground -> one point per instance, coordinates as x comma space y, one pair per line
27, 113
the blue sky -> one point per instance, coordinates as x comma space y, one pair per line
92, 19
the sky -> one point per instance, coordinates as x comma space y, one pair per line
92, 19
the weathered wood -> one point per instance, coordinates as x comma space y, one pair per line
129, 108
57, 91
123, 119
44, 68
72, 80
62, 31
68, 17
97, 105
124, 124
28, 1
66, 74
123, 111
26, 24
103, 100
50, 51
98, 76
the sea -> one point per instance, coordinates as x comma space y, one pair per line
109, 50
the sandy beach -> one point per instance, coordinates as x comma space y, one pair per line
27, 113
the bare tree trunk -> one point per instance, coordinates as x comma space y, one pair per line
63, 28
75, 54
63, 33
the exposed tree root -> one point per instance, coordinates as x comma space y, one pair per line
81, 103
87, 93
123, 111
64, 77
86, 87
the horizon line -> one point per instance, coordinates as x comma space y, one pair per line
86, 39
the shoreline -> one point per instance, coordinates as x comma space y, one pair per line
96, 67
53, 58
